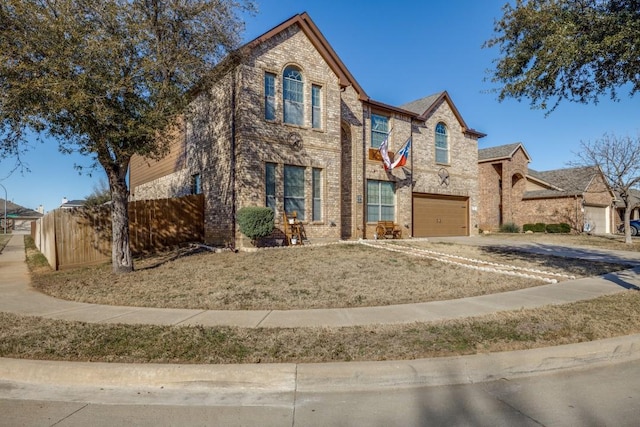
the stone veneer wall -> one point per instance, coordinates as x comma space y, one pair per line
489, 176
512, 173
260, 141
352, 166
232, 112
551, 211
177, 184
462, 167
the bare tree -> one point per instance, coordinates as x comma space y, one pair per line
619, 160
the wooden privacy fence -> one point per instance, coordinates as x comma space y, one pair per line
71, 238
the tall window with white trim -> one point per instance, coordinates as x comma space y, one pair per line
316, 106
293, 96
380, 201
442, 144
379, 129
270, 185
269, 96
316, 188
294, 190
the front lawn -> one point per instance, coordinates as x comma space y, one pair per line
337, 275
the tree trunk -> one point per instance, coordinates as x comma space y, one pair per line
121, 259
627, 222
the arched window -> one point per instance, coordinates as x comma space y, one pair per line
442, 144
293, 96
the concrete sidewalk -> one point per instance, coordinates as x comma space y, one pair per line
277, 384
18, 297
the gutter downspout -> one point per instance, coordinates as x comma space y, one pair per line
412, 181
365, 154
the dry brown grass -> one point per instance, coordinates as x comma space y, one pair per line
4, 239
361, 267
37, 338
339, 275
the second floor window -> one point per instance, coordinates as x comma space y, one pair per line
379, 130
316, 107
269, 96
196, 184
442, 144
293, 96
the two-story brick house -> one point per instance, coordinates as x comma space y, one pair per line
284, 124
511, 192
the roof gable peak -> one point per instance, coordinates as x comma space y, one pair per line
317, 39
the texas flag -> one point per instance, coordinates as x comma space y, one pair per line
402, 155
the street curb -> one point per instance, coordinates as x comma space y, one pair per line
278, 384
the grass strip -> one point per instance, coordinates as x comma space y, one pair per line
39, 338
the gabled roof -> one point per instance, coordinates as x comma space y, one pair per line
17, 211
500, 152
563, 182
423, 107
320, 43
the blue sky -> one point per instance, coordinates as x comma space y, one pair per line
398, 51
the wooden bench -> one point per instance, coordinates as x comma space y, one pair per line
388, 229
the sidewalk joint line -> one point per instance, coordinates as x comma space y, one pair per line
191, 317
263, 319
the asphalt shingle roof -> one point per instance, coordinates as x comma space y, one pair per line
569, 179
419, 106
568, 182
499, 152
17, 211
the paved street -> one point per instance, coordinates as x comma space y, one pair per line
593, 383
597, 396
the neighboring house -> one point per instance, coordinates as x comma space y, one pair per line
284, 124
18, 217
635, 209
510, 192
70, 204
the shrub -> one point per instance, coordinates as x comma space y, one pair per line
509, 227
255, 222
538, 227
558, 228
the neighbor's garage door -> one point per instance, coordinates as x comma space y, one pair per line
438, 216
596, 216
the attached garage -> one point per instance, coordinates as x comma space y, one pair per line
596, 219
440, 216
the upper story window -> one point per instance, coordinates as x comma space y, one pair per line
269, 96
293, 96
196, 184
442, 144
379, 130
316, 106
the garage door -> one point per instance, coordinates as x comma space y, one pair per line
439, 216
595, 218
